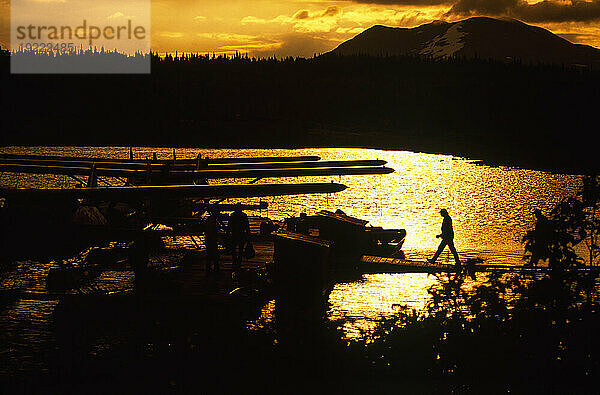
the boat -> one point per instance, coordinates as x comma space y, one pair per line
350, 237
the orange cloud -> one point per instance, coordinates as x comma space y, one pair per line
301, 28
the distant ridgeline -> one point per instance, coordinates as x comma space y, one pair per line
477, 37
516, 113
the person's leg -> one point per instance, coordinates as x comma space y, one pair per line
216, 260
453, 251
238, 249
439, 251
535, 258
209, 258
214, 256
208, 266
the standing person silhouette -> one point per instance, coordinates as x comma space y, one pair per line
240, 231
211, 232
447, 236
542, 237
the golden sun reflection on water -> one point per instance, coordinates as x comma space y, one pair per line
491, 207
360, 304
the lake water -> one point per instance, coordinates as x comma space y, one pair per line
491, 207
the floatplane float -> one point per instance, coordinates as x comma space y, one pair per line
187, 171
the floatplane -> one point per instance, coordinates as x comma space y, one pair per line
125, 198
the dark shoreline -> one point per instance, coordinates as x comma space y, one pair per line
513, 114
517, 157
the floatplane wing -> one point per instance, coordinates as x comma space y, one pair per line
194, 161
172, 191
190, 175
180, 165
222, 207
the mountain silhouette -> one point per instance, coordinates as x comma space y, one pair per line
477, 37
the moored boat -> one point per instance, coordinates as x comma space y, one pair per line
351, 238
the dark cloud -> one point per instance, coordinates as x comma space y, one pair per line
548, 11
331, 11
487, 7
544, 11
406, 2
302, 14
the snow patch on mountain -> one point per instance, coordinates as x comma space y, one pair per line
446, 44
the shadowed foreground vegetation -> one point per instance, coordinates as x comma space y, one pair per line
523, 333
512, 332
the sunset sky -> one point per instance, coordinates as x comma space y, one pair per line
302, 28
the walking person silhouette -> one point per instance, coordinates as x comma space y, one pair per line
447, 236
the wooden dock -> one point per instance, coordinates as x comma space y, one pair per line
196, 281
378, 264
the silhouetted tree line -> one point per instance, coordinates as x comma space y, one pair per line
528, 114
77, 60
